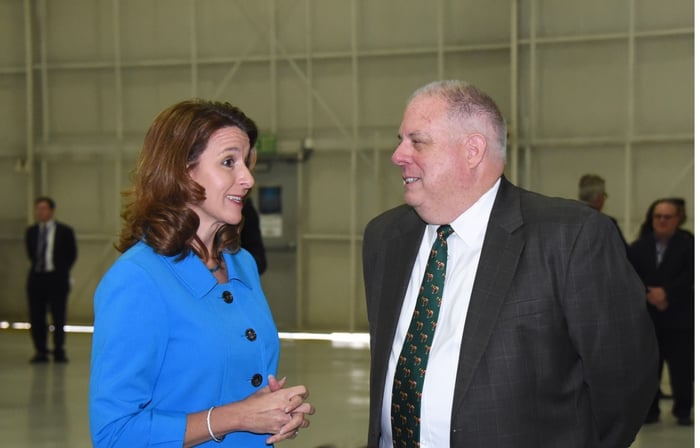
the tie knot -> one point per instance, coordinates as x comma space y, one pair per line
444, 231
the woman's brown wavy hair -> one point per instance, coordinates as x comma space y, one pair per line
157, 205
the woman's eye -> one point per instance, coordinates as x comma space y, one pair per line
228, 162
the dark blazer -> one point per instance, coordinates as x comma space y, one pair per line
558, 349
65, 250
676, 274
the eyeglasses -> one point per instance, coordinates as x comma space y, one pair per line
660, 216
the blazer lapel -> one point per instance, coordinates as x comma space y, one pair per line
499, 259
404, 247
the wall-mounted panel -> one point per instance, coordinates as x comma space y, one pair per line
81, 103
557, 18
332, 88
412, 27
327, 192
293, 29
476, 22
147, 91
292, 94
582, 90
227, 29
77, 31
13, 114
12, 43
385, 85
653, 15
664, 71
158, 29
331, 27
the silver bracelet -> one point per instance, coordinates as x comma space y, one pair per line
211, 433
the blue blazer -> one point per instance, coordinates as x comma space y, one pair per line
557, 350
167, 344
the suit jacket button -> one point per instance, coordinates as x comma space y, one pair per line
250, 334
256, 380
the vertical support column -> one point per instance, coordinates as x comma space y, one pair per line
353, 167
514, 132
301, 172
194, 66
45, 108
626, 221
309, 71
45, 116
532, 106
441, 39
29, 94
273, 66
118, 112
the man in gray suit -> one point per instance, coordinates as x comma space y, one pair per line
542, 337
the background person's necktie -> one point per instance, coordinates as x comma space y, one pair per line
41, 249
410, 368
660, 249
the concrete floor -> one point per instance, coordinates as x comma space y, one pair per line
46, 405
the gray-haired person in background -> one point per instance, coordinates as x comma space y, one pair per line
591, 190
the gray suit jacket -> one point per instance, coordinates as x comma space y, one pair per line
557, 349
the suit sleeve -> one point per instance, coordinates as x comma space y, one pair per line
680, 284
605, 308
370, 253
71, 248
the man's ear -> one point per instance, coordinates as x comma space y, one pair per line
475, 144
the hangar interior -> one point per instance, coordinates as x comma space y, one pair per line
601, 86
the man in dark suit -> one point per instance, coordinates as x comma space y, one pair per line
665, 260
542, 337
52, 250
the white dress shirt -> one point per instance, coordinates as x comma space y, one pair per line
50, 228
463, 253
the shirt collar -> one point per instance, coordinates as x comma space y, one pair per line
470, 226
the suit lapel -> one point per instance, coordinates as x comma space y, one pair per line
499, 259
403, 247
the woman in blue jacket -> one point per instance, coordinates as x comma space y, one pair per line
185, 349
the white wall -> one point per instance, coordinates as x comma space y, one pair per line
602, 86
